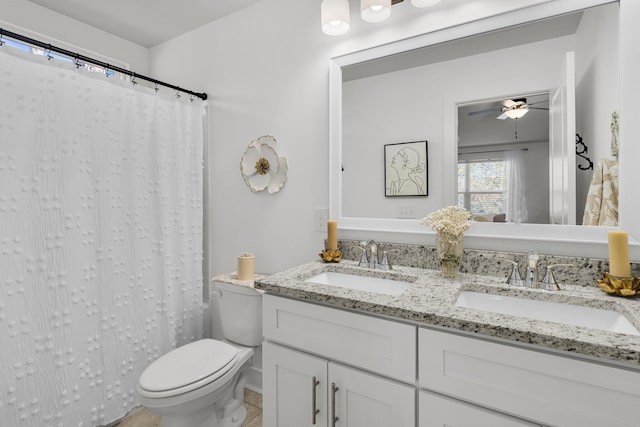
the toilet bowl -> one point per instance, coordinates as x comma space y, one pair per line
201, 384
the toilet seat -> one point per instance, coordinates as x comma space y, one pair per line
187, 368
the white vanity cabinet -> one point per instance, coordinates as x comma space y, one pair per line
546, 388
320, 364
440, 411
303, 390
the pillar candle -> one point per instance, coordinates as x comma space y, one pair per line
332, 234
619, 254
245, 266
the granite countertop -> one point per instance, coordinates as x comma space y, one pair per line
430, 301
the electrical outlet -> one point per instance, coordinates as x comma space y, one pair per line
320, 217
406, 212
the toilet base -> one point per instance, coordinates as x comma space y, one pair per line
206, 419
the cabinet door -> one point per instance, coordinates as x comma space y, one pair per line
440, 411
291, 380
365, 400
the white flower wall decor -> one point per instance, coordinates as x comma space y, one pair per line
262, 167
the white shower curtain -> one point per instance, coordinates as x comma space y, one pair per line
100, 239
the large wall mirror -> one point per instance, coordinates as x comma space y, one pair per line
559, 61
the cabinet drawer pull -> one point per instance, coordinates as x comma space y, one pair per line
314, 409
334, 419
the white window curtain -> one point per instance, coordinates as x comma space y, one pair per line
100, 239
515, 187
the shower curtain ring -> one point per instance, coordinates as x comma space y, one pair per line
177, 93
133, 80
49, 56
1, 41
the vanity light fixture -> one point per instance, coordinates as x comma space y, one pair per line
375, 10
335, 13
335, 17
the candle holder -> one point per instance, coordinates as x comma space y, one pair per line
620, 286
331, 255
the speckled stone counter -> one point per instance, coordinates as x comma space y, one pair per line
430, 301
584, 271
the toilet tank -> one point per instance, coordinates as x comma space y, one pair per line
240, 310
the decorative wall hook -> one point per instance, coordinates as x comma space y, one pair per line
581, 151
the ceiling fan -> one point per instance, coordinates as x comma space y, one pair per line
511, 109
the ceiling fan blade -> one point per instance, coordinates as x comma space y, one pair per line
538, 108
477, 113
502, 116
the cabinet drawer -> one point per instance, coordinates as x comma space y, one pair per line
381, 346
440, 411
549, 389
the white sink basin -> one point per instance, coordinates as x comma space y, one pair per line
569, 314
360, 283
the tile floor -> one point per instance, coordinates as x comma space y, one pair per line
252, 401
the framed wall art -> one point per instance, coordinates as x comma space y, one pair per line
405, 169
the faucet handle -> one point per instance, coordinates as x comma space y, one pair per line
364, 262
385, 264
514, 279
549, 282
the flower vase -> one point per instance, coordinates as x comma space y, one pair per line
449, 248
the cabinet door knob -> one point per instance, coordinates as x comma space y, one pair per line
314, 409
334, 419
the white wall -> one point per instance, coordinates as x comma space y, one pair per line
596, 62
266, 71
32, 20
408, 106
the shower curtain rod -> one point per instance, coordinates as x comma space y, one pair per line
78, 57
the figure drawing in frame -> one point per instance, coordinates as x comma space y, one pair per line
406, 169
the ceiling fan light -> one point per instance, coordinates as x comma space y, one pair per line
335, 17
516, 113
424, 3
375, 10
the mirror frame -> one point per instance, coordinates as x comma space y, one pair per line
550, 239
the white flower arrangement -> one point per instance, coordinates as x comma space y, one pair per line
452, 220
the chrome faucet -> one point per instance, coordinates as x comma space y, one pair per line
370, 259
373, 254
531, 278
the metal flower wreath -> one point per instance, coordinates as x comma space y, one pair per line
261, 166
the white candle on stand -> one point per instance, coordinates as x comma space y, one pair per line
332, 234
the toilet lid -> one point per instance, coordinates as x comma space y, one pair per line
189, 364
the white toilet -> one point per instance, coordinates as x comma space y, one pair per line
201, 384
